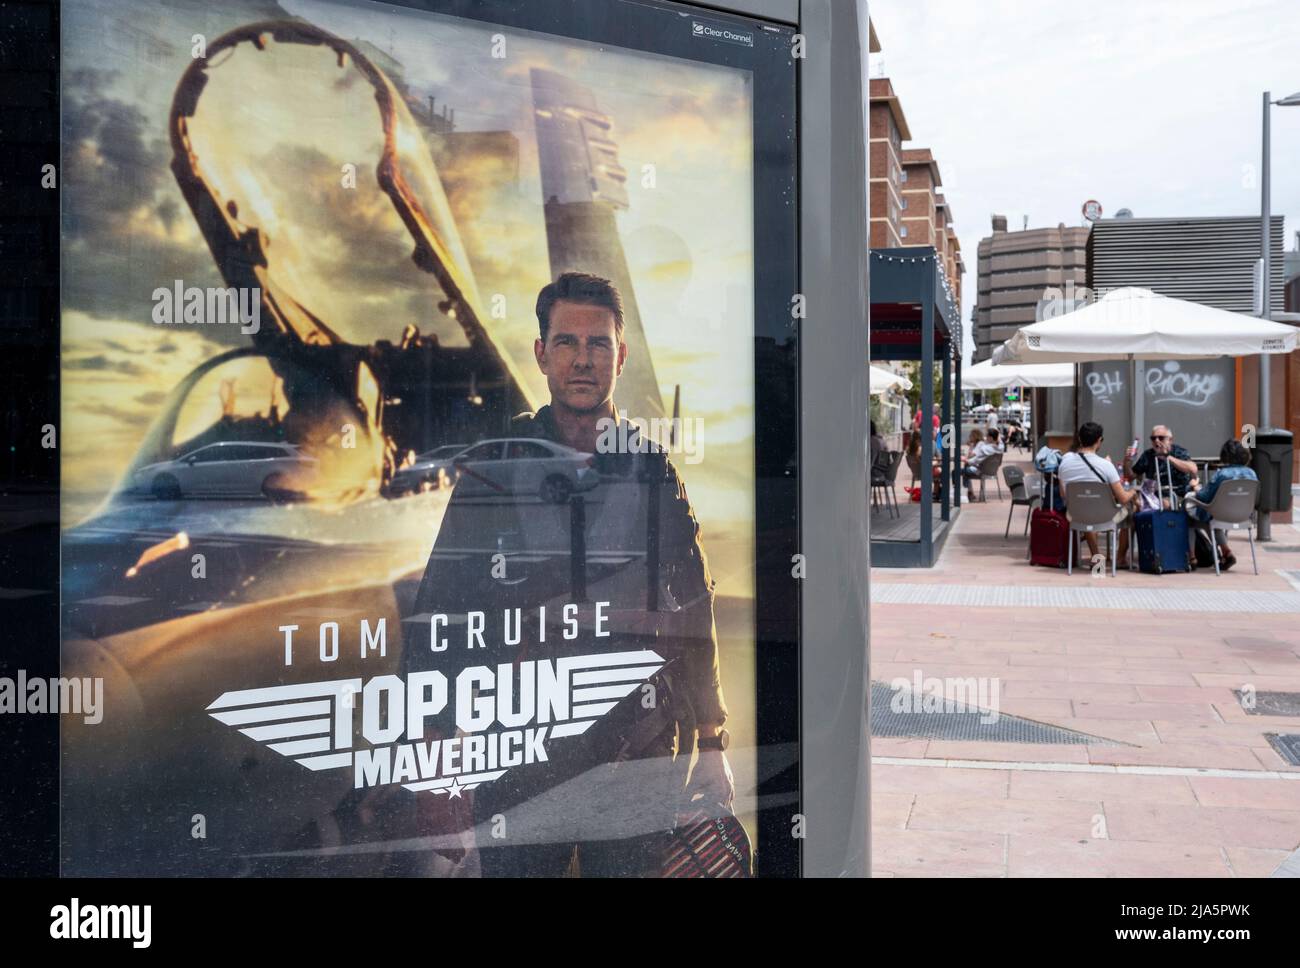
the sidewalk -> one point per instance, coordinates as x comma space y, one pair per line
1188, 786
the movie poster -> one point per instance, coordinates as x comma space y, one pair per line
407, 447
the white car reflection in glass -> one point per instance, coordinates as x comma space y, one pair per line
231, 469
430, 470
519, 466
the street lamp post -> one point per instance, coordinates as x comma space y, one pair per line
1265, 365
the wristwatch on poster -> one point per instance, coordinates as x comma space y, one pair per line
719, 742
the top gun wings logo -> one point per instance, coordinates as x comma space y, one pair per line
506, 716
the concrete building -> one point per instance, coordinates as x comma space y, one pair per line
583, 188
1015, 269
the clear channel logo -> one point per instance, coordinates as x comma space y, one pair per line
715, 31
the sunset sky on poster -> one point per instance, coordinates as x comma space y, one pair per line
688, 236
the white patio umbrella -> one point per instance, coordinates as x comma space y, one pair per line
1138, 324
882, 380
987, 376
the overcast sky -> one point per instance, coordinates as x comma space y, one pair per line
1034, 106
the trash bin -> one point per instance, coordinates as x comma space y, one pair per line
1272, 463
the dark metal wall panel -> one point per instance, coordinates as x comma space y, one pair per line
1207, 260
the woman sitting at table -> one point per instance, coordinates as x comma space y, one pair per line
913, 456
1234, 456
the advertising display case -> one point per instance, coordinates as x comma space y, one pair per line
433, 405
408, 353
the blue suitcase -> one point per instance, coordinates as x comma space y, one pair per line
1163, 538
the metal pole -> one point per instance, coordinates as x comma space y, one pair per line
927, 428
1265, 365
945, 422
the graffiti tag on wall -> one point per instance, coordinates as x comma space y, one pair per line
1104, 385
1170, 383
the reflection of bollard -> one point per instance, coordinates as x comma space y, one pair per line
578, 547
656, 470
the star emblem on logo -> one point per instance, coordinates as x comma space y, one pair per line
453, 791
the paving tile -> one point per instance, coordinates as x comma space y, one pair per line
1213, 734
1165, 823
1224, 665
1257, 828
1133, 731
1269, 759
938, 779
1132, 649
1151, 677
890, 810
1185, 694
1231, 712
1091, 691
1016, 752
1108, 788
1177, 754
1255, 862
1182, 824
1214, 791
939, 853
1096, 661
1039, 710
1236, 681
898, 746
1148, 711
1034, 856
1050, 817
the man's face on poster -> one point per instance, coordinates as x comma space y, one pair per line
582, 356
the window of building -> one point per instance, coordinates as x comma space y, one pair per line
903, 232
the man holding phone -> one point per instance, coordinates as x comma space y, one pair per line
1182, 469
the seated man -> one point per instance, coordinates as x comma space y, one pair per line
876, 445
1083, 464
1181, 466
1234, 457
979, 453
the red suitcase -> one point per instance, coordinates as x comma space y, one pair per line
1049, 535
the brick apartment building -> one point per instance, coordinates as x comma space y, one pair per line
907, 206
888, 131
921, 199
954, 264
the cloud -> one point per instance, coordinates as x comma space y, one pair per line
102, 363
121, 207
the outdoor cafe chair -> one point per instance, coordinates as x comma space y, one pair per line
884, 478
1020, 497
1091, 509
988, 468
1232, 508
